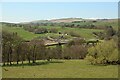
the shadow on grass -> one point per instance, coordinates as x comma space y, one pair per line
101, 64
56, 62
33, 64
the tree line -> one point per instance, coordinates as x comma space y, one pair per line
107, 34
15, 49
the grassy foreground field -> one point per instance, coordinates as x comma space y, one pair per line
61, 69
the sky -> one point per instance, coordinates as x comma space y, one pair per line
30, 11
59, 0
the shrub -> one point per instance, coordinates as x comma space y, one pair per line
40, 31
74, 34
53, 30
103, 53
90, 59
75, 52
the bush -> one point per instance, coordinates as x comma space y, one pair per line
40, 31
75, 52
113, 56
90, 59
74, 34
103, 53
53, 30
76, 41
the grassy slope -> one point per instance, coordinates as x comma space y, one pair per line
22, 33
87, 33
67, 69
71, 69
113, 23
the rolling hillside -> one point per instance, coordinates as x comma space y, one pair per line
83, 32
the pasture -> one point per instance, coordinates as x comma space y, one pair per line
60, 69
74, 68
86, 33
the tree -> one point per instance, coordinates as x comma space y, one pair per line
59, 51
49, 54
53, 30
40, 31
109, 32
35, 45
102, 53
9, 43
75, 49
74, 34
76, 41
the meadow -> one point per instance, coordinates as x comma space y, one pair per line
86, 33
60, 69
68, 67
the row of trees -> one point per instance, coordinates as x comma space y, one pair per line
11, 24
14, 49
107, 34
72, 25
86, 26
17, 50
38, 30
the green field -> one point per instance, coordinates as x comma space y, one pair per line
87, 33
21, 32
113, 23
61, 69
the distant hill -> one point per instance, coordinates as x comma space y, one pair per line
65, 20
62, 20
37, 21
